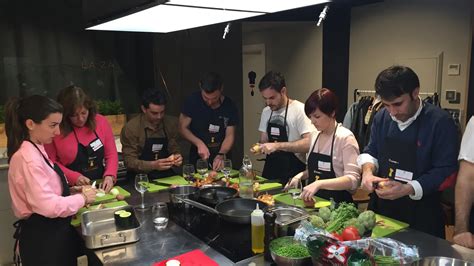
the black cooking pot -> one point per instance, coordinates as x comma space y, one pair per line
214, 195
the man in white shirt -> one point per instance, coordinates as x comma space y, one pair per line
464, 227
284, 130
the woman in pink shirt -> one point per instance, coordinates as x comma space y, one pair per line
86, 149
40, 194
332, 168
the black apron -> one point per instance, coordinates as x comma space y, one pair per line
398, 155
471, 221
154, 148
280, 165
47, 241
213, 137
89, 159
318, 169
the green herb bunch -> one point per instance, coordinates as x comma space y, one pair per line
106, 107
344, 212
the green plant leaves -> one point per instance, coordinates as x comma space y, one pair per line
106, 107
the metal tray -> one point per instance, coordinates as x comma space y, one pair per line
99, 230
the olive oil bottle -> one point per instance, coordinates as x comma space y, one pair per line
258, 230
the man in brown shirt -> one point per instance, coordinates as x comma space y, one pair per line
149, 141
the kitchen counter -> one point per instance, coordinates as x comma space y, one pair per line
3, 163
155, 245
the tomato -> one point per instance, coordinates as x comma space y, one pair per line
337, 236
350, 233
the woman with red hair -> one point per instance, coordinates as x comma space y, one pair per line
332, 170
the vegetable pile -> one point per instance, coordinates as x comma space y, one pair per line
333, 237
369, 251
344, 222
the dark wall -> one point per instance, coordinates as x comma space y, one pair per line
181, 58
336, 39
44, 48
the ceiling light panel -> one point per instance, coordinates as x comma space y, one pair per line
266, 6
169, 18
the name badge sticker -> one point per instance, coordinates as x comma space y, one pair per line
214, 128
156, 147
324, 166
96, 144
403, 175
274, 131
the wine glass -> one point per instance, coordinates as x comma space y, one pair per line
227, 168
201, 166
246, 162
141, 184
188, 172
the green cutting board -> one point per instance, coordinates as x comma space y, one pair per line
109, 196
386, 226
257, 178
287, 198
269, 186
172, 180
76, 221
151, 187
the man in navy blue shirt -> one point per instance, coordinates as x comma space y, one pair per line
411, 155
208, 120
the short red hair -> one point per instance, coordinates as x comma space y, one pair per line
323, 99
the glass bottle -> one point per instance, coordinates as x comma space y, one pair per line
246, 179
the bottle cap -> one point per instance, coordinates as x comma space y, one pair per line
257, 211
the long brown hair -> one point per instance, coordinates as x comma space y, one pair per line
72, 98
17, 111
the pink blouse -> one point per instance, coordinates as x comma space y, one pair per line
345, 152
63, 150
36, 188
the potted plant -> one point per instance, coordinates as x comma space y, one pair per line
113, 111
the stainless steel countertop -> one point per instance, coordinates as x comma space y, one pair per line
155, 246
3, 163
